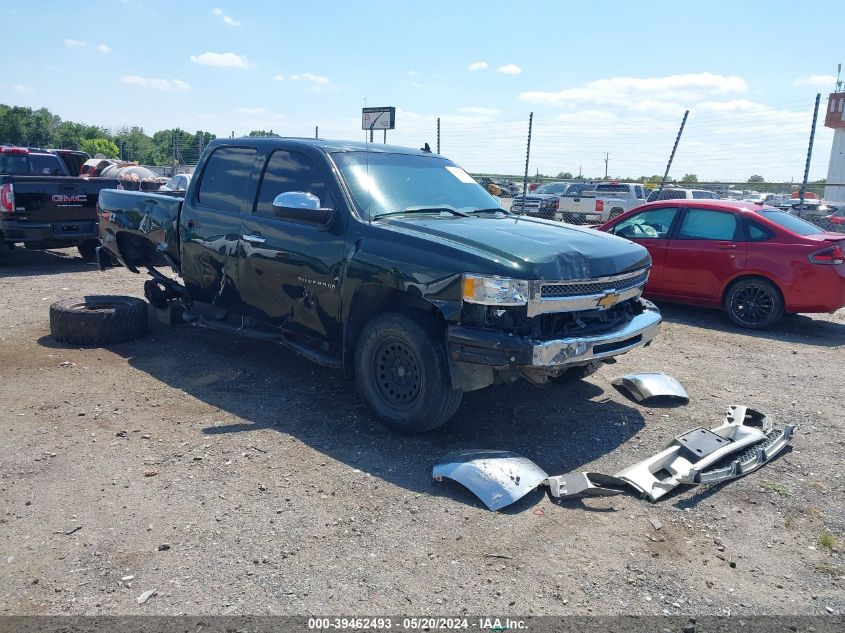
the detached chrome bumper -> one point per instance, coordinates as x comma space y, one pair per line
471, 345
636, 333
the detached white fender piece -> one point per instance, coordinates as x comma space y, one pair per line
498, 478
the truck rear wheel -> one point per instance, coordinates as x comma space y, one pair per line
403, 374
88, 250
98, 320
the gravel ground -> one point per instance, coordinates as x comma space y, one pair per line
232, 477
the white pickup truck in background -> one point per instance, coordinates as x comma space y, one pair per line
605, 201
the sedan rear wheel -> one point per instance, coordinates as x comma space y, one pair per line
754, 303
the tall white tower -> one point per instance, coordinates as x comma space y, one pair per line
835, 119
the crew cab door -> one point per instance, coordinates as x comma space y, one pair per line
290, 269
707, 249
210, 225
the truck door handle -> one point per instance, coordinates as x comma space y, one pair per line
725, 246
255, 238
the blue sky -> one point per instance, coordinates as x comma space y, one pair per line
609, 77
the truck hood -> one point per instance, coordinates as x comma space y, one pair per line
528, 248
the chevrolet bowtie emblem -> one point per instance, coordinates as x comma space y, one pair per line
608, 300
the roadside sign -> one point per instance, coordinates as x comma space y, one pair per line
378, 118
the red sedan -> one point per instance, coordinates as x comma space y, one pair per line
755, 262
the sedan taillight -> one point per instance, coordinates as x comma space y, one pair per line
7, 198
832, 255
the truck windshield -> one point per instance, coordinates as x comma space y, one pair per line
383, 183
552, 187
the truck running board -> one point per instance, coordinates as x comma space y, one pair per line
315, 356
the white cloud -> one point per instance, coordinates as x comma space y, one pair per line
478, 66
221, 60
315, 79
165, 85
509, 69
413, 72
629, 91
21, 89
480, 111
817, 81
75, 43
588, 117
278, 77
258, 110
227, 19
104, 48
318, 82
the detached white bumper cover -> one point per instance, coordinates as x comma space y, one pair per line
637, 332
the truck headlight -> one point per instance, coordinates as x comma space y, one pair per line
496, 291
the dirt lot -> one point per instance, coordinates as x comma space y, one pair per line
234, 477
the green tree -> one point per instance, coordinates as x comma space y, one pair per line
756, 178
271, 133
103, 146
565, 175
689, 178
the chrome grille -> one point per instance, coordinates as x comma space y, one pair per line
529, 204
586, 288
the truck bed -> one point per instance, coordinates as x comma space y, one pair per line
140, 228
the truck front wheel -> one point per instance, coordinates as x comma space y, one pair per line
402, 372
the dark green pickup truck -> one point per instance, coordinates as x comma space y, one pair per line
392, 264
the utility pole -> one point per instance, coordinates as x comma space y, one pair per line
316, 131
606, 160
809, 156
672, 155
527, 156
438, 135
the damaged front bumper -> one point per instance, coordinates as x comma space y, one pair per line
473, 345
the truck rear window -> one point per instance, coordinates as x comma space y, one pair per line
31, 165
225, 178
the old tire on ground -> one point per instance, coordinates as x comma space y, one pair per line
88, 250
577, 373
98, 320
403, 374
754, 303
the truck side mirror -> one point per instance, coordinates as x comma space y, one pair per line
299, 205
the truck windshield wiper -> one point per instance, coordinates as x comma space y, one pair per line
424, 210
491, 210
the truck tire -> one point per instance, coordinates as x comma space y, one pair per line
402, 372
577, 373
98, 320
88, 250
